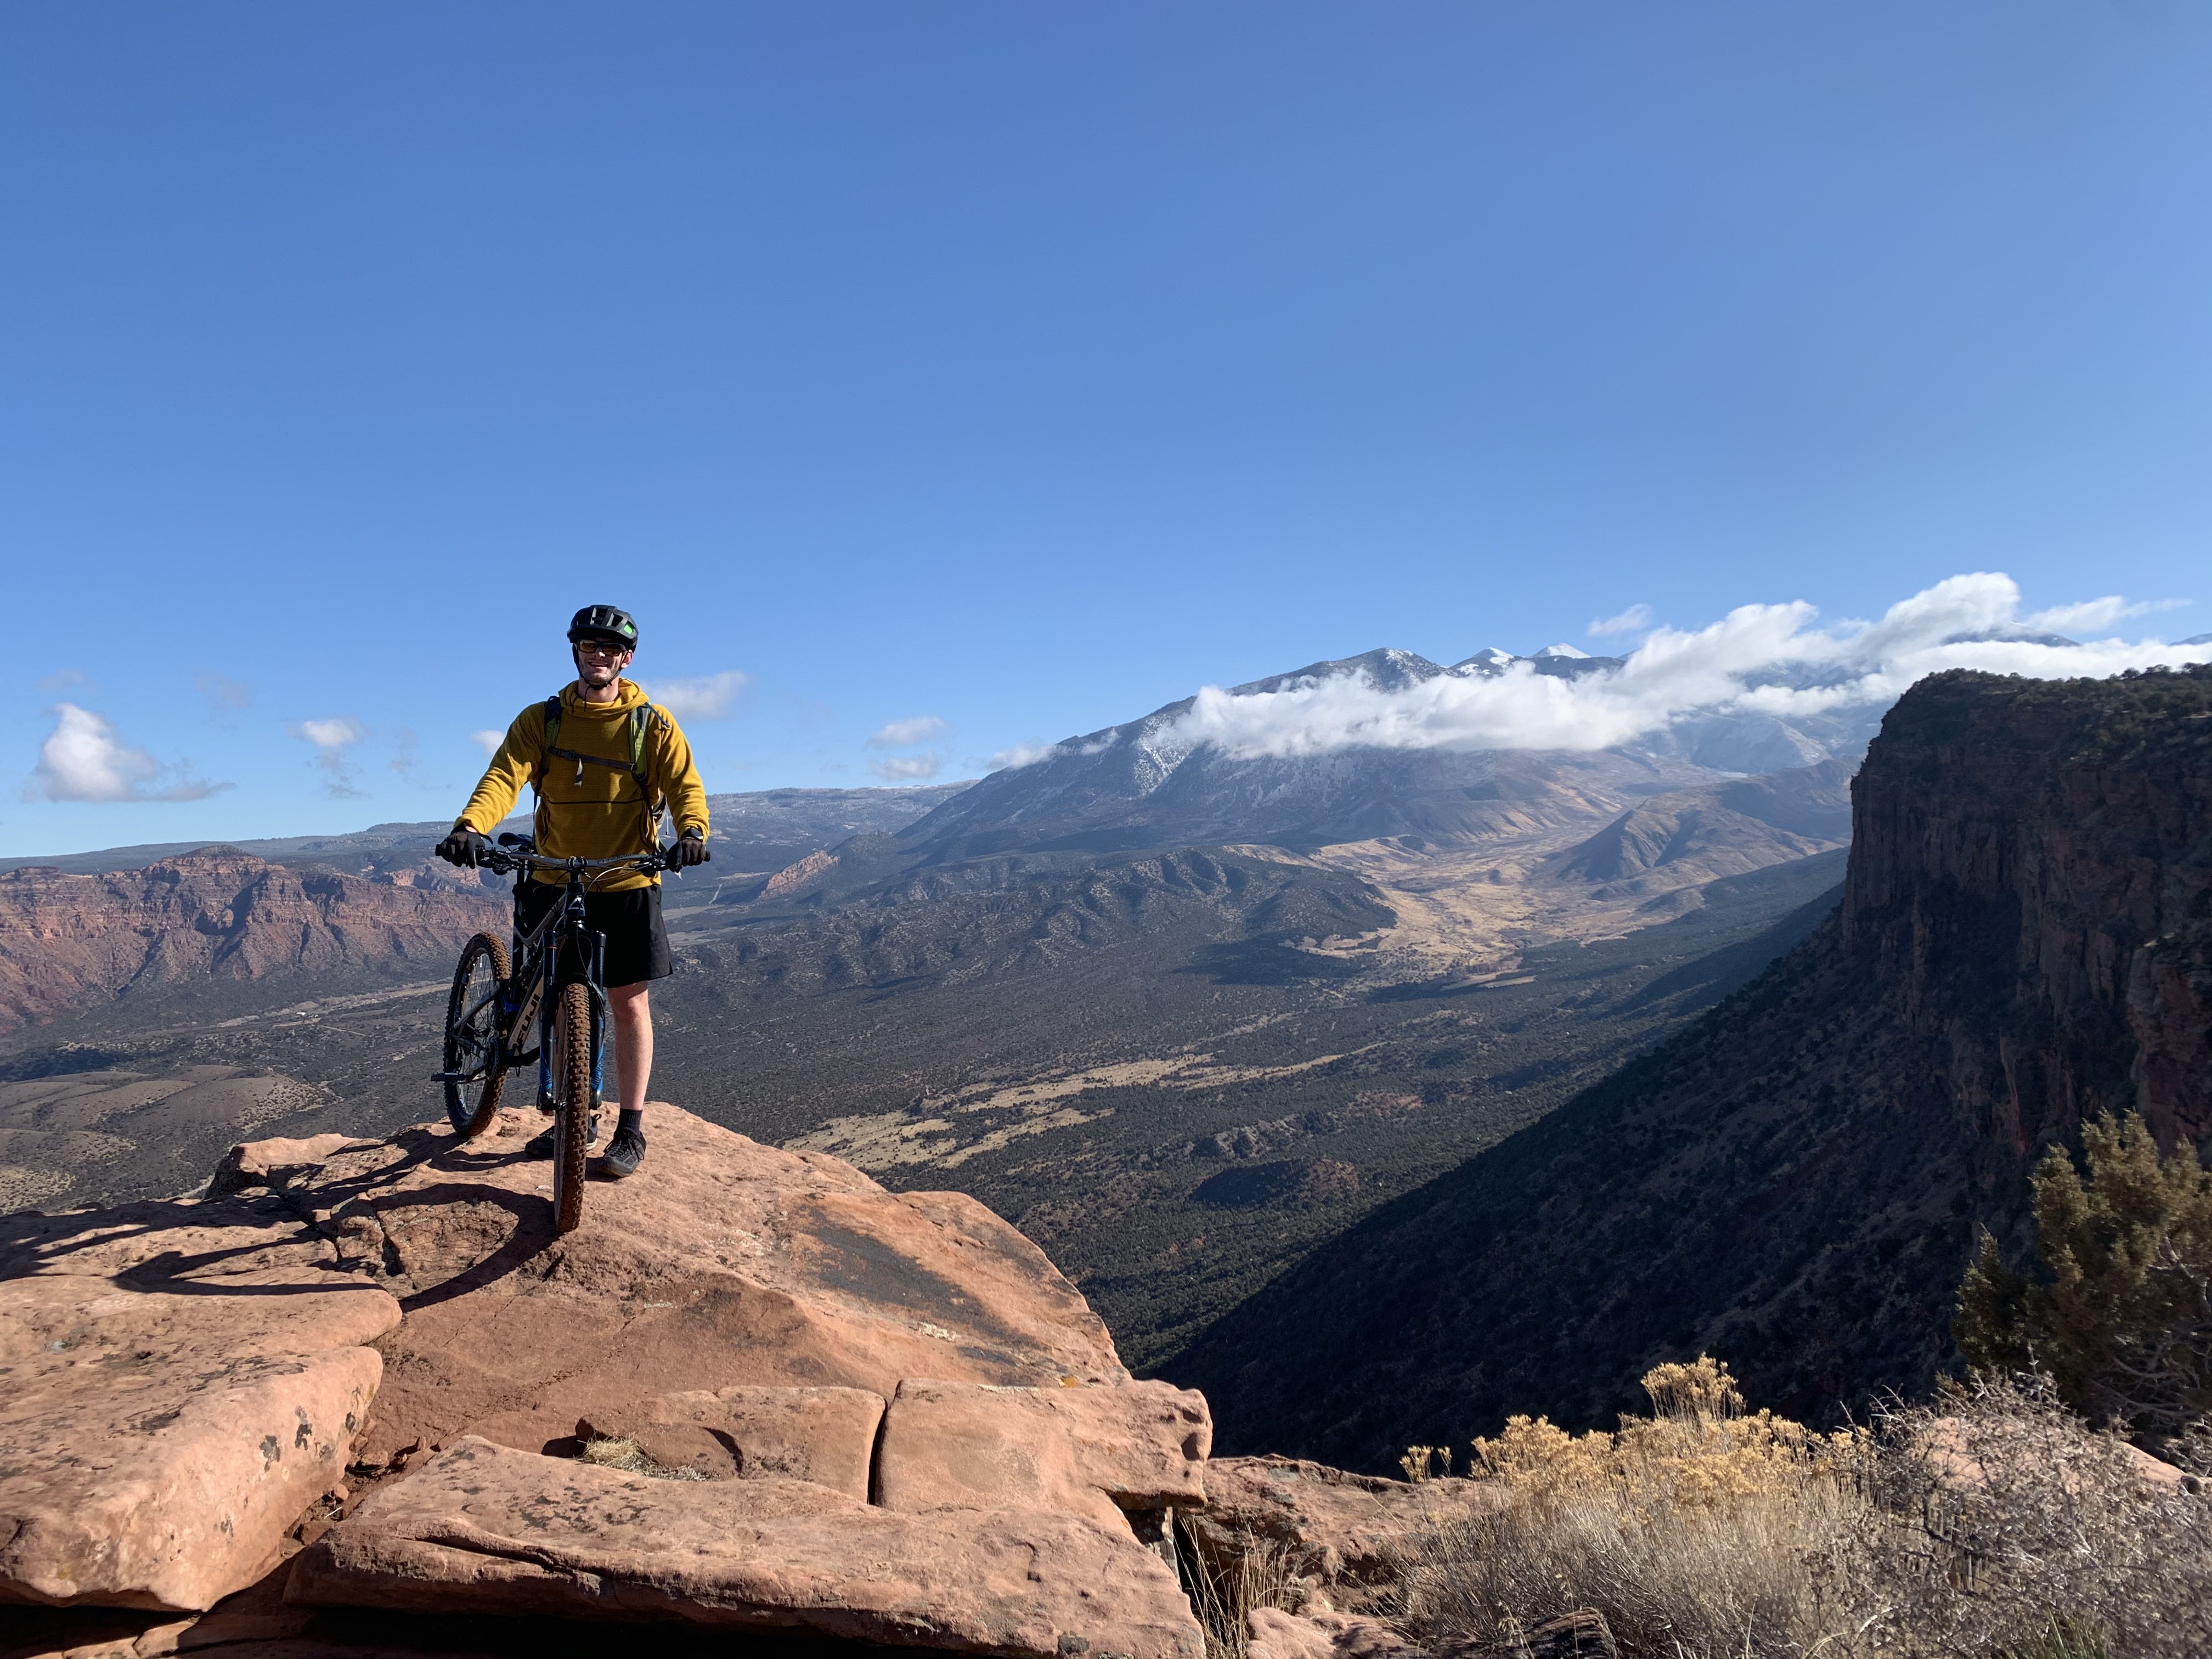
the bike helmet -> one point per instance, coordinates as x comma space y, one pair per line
604, 622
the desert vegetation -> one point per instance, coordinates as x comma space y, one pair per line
2016, 1515
1992, 1521
2121, 1317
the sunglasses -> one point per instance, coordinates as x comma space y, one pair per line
601, 647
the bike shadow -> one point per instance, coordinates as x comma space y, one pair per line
37, 1246
34, 1244
529, 1234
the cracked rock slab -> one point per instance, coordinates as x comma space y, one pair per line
179, 1382
827, 1436
482, 1528
723, 1263
1094, 1451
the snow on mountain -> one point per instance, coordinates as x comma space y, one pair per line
1337, 748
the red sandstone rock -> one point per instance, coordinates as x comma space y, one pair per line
1279, 1635
484, 1528
827, 1436
2047, 835
216, 913
723, 1262
1346, 1534
792, 877
177, 1382
1953, 1448
1088, 1450
259, 1162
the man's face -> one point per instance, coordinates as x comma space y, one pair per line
599, 660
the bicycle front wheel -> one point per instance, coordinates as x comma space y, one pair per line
572, 1101
473, 1068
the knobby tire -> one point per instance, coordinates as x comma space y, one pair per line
483, 968
572, 1083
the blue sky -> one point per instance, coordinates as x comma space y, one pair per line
1021, 367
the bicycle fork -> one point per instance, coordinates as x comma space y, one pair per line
601, 1019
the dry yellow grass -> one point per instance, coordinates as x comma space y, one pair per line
628, 1456
1225, 1587
1704, 1532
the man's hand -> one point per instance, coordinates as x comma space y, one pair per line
690, 849
464, 846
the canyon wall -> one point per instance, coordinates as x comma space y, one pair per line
1796, 1183
69, 941
2031, 887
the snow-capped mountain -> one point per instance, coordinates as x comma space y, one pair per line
1150, 782
1388, 743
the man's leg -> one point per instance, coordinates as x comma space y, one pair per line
633, 1018
633, 1043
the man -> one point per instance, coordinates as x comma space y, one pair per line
599, 796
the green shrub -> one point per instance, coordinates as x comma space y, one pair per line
2122, 1323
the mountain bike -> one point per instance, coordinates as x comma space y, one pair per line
549, 1007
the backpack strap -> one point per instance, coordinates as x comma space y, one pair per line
643, 720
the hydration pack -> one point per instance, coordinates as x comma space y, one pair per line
642, 719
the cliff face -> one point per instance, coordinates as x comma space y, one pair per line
66, 940
1794, 1184
2031, 885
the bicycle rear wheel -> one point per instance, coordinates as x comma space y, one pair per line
571, 1098
472, 1037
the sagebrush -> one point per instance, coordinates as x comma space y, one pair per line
1990, 1522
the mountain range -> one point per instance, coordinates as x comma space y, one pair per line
768, 826
1147, 783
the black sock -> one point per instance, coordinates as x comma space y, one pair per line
633, 1122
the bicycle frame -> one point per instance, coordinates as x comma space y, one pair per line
539, 956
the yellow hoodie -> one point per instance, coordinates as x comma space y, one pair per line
606, 814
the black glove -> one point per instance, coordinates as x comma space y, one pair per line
690, 849
464, 846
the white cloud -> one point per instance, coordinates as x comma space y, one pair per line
340, 733
489, 741
907, 768
904, 734
332, 738
708, 697
1728, 667
83, 759
1026, 754
1637, 616
62, 678
2091, 614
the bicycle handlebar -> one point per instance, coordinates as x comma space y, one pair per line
500, 861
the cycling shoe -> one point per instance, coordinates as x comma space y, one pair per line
624, 1153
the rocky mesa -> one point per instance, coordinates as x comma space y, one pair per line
364, 1379
215, 914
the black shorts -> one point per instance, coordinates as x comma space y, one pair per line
637, 939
